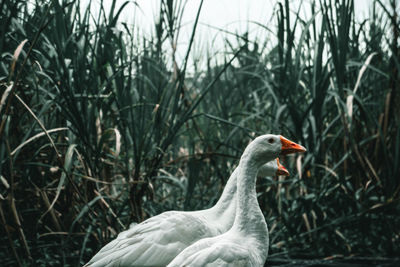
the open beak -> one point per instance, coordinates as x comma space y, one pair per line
289, 147
281, 170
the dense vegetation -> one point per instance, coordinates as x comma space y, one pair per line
101, 126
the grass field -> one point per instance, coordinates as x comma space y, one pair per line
102, 126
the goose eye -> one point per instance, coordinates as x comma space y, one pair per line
271, 140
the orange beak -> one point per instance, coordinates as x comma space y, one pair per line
281, 170
289, 147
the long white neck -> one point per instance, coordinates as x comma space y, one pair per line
249, 218
224, 210
229, 193
246, 194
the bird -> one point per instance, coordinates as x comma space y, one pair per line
246, 243
156, 241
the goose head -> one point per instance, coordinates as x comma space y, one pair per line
273, 168
269, 146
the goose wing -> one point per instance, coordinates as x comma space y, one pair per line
155, 242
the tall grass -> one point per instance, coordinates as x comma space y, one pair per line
101, 127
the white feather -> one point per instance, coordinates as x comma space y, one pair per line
158, 240
246, 243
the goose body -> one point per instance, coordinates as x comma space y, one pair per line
158, 240
246, 243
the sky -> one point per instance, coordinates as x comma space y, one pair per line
230, 14
227, 15
237, 16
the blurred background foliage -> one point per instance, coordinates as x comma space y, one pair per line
102, 127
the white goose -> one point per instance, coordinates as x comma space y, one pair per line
246, 243
156, 241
